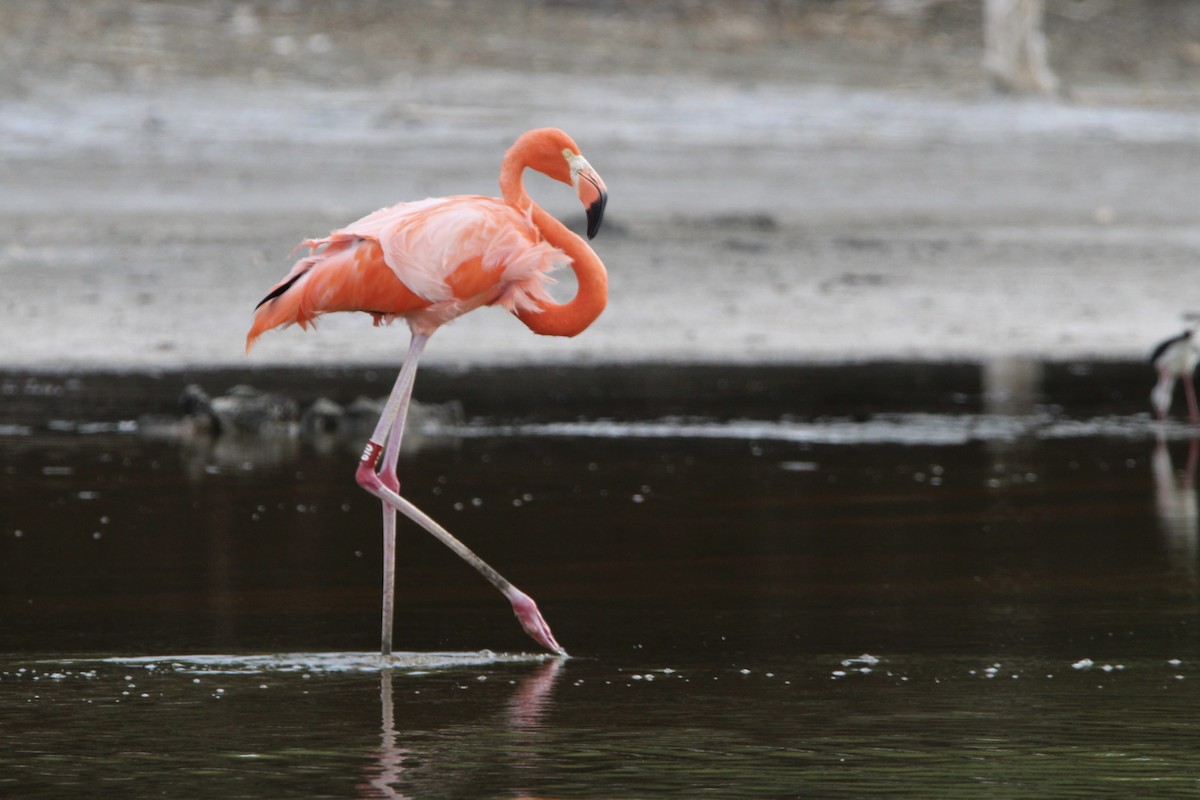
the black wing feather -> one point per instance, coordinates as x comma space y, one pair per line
1162, 346
280, 289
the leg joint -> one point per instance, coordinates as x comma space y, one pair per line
367, 478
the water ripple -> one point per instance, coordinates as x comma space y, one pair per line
902, 429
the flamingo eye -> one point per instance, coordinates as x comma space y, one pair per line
577, 164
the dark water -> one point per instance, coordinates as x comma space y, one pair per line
892, 580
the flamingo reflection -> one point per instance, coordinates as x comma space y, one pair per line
391, 755
531, 701
525, 711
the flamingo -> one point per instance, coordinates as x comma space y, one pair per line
1175, 358
429, 262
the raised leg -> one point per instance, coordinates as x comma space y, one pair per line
523, 605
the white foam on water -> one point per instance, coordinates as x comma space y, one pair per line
321, 662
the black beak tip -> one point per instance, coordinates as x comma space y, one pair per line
595, 215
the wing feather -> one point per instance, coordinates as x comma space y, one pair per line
424, 242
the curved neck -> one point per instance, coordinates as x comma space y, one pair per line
557, 319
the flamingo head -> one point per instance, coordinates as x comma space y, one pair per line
555, 154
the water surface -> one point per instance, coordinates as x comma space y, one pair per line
926, 581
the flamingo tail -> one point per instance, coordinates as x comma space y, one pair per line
283, 306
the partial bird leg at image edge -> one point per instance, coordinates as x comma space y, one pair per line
386, 486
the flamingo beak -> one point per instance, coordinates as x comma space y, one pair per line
591, 190
595, 212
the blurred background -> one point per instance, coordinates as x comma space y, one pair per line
825, 181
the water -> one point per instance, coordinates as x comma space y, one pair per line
925, 581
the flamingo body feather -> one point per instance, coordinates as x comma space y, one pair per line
429, 260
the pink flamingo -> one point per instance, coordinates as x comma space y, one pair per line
430, 262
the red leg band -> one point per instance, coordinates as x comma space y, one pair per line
371, 452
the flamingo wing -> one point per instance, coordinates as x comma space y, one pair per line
427, 242
435, 255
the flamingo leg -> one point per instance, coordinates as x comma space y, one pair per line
524, 607
391, 425
385, 485
389, 578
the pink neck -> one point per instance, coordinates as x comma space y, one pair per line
557, 319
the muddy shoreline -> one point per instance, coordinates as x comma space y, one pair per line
41, 401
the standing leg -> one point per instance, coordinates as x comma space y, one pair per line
389, 578
390, 428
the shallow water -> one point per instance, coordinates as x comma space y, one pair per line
925, 581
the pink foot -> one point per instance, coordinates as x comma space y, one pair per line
531, 620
